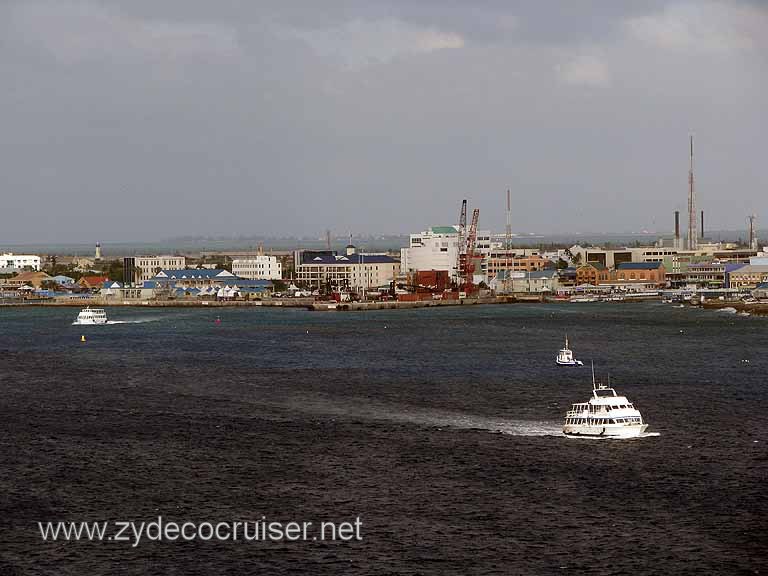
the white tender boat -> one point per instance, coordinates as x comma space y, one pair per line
581, 299
565, 356
605, 415
91, 316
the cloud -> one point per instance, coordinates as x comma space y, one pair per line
359, 43
78, 31
701, 27
584, 70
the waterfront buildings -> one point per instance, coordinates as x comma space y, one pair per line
351, 271
539, 282
192, 278
12, 263
259, 267
748, 276
500, 260
612, 258
138, 269
642, 273
92, 282
62, 280
33, 279
701, 275
594, 273
437, 248
216, 283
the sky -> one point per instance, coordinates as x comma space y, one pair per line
141, 120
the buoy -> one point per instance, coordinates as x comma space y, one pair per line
82, 338
218, 320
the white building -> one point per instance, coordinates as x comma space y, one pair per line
539, 281
258, 268
139, 269
350, 271
19, 262
438, 249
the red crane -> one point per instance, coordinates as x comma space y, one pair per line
469, 265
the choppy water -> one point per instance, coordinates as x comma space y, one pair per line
439, 428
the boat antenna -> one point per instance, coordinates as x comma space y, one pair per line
594, 386
566, 339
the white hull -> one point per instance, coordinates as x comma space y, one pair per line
606, 431
89, 322
569, 363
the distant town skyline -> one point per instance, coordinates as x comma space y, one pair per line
131, 121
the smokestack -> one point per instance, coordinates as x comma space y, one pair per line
677, 228
701, 232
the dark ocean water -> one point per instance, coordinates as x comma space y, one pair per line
438, 428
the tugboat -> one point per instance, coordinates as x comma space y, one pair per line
605, 415
90, 315
565, 356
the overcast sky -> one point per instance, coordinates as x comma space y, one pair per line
147, 119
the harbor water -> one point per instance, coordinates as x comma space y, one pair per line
438, 428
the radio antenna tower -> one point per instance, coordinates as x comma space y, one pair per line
692, 236
508, 241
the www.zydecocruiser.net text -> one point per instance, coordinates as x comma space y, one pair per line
161, 530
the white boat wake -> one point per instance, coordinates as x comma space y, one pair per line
435, 419
108, 322
728, 310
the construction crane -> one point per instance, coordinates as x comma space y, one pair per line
469, 265
461, 240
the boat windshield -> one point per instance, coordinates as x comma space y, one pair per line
604, 392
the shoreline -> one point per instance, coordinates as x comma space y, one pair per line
306, 303
758, 309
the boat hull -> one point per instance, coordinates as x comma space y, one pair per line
88, 322
569, 363
607, 431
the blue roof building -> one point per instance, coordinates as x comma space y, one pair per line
63, 280
187, 280
350, 271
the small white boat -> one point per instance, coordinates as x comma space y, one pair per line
605, 415
90, 316
581, 299
565, 356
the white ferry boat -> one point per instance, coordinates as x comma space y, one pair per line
91, 316
605, 415
565, 356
